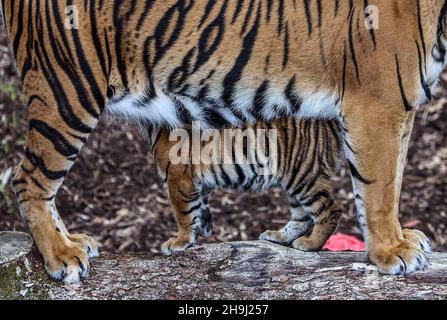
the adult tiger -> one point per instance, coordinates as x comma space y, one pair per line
168, 62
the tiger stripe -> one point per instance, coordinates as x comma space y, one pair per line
166, 63
308, 153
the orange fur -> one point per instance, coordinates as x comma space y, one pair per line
167, 62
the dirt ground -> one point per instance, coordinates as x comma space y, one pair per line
114, 193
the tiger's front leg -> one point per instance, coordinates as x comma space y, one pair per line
58, 128
377, 134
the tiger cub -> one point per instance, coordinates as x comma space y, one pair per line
295, 155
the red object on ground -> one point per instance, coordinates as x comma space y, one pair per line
343, 242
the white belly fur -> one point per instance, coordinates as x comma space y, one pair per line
162, 110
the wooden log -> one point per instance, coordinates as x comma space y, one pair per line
240, 270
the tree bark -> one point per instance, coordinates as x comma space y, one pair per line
240, 270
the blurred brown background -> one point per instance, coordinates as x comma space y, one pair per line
114, 192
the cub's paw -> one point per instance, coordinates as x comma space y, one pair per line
88, 243
175, 245
308, 243
278, 237
68, 262
285, 236
418, 238
403, 259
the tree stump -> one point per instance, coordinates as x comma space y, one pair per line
240, 270
21, 272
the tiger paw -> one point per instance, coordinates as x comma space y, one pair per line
407, 257
175, 245
88, 243
418, 238
288, 234
68, 262
308, 243
278, 237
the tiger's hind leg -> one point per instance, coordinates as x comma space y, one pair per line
59, 125
191, 210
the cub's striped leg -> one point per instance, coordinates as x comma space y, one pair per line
56, 135
299, 224
206, 218
377, 135
325, 216
314, 219
190, 207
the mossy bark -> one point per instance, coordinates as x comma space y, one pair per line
21, 272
